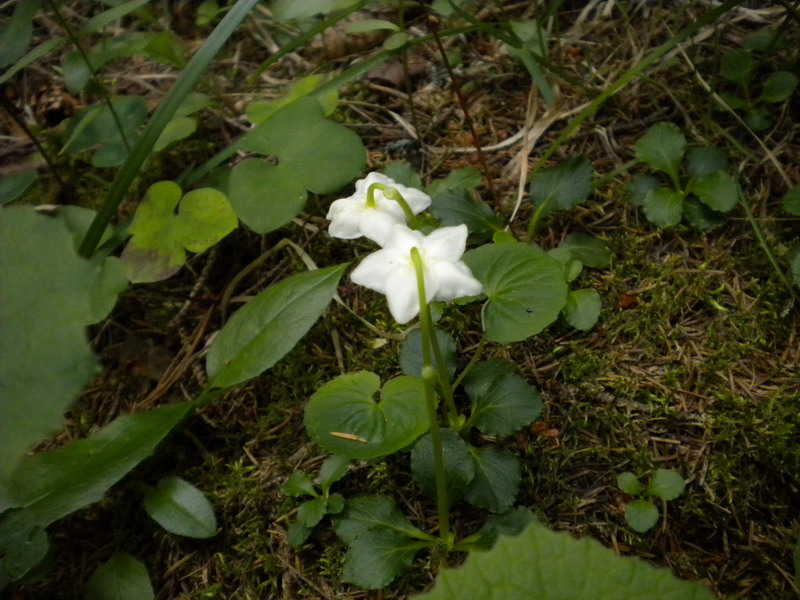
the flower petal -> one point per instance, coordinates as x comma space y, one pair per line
401, 293
402, 239
377, 224
346, 224
455, 281
446, 243
372, 272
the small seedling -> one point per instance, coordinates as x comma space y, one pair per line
311, 512
702, 193
641, 513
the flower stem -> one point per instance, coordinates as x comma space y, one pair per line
392, 194
428, 379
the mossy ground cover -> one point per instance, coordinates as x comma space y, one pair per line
693, 364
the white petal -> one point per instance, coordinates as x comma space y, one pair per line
377, 225
372, 272
346, 225
402, 293
402, 239
417, 200
339, 206
446, 243
455, 281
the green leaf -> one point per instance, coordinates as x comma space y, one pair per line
332, 470
265, 329
663, 207
298, 534
373, 512
512, 522
16, 35
629, 483
166, 48
374, 559
545, 565
343, 416
779, 86
49, 296
180, 508
795, 268
583, 308
719, 191
738, 66
259, 111
411, 353
463, 179
395, 41
160, 237
666, 484
704, 161
502, 402
299, 484
641, 515
525, 287
797, 563
454, 207
497, 476
662, 148
640, 186
44, 49
102, 19
459, 468
758, 120
23, 545
369, 25
177, 129
310, 513
403, 173
701, 216
288, 10
564, 186
791, 201
534, 44
14, 185
572, 266
591, 251
335, 504
313, 153
56, 483
760, 40
121, 578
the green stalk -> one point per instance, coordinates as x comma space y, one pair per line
428, 379
144, 145
392, 194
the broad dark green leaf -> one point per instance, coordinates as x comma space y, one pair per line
564, 186
512, 522
662, 148
738, 66
15, 37
641, 515
411, 353
546, 565
310, 512
719, 191
23, 545
705, 161
344, 417
54, 484
701, 216
758, 119
459, 468
335, 504
298, 534
121, 578
779, 86
502, 402
640, 186
663, 207
12, 186
591, 251
40, 51
497, 476
583, 308
629, 483
455, 206
373, 512
464, 179
403, 173
666, 484
791, 201
180, 508
259, 111
332, 470
375, 558
525, 287
299, 484
270, 325
49, 296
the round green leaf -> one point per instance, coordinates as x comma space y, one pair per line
591, 251
525, 287
298, 534
666, 484
779, 86
12, 186
299, 484
496, 482
719, 191
583, 308
738, 66
640, 186
181, 508
344, 417
411, 353
310, 513
663, 207
121, 578
641, 515
564, 186
758, 119
332, 470
459, 468
375, 559
705, 160
177, 129
701, 216
662, 147
629, 483
791, 201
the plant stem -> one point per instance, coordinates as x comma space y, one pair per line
428, 378
392, 194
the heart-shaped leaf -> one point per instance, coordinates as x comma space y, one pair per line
160, 236
583, 308
122, 578
564, 186
411, 352
496, 482
458, 466
719, 191
270, 325
502, 402
641, 515
663, 207
662, 148
525, 287
345, 418
666, 484
180, 508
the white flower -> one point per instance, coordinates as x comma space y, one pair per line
353, 217
391, 272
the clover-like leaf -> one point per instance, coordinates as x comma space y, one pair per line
705, 160
562, 187
641, 515
583, 308
411, 353
344, 417
496, 482
591, 251
160, 236
121, 578
738, 66
779, 86
666, 484
629, 483
546, 565
312, 153
663, 207
459, 468
180, 508
455, 206
719, 191
332, 470
662, 148
525, 287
